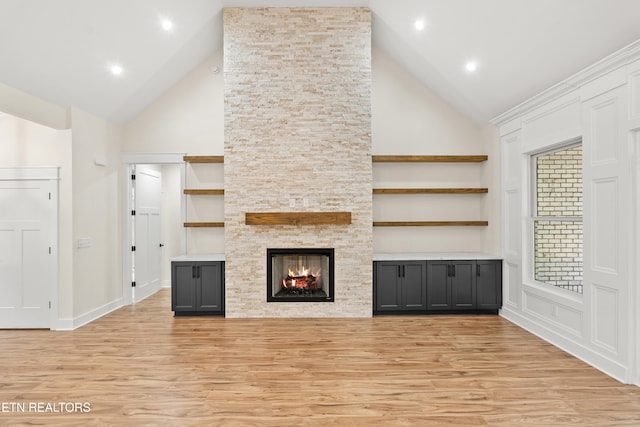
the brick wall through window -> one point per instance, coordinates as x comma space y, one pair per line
558, 222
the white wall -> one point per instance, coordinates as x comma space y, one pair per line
188, 118
27, 144
96, 212
28, 107
408, 118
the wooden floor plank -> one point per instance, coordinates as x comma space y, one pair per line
141, 366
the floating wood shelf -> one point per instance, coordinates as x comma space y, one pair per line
430, 190
438, 159
204, 192
298, 218
430, 223
204, 159
204, 224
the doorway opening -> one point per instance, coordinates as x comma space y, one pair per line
152, 218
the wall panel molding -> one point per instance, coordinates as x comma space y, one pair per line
604, 320
600, 326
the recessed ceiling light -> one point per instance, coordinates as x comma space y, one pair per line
419, 24
471, 66
166, 24
116, 70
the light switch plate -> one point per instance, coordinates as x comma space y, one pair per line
84, 243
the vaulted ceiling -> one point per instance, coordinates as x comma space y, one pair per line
62, 50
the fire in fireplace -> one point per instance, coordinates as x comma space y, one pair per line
301, 274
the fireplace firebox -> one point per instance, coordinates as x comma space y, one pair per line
300, 275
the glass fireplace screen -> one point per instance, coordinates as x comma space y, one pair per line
303, 274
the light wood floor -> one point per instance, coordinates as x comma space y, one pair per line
141, 366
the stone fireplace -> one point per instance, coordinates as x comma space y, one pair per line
298, 141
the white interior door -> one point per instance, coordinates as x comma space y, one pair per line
147, 226
27, 268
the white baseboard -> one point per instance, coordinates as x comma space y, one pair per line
142, 294
598, 361
166, 284
88, 317
63, 325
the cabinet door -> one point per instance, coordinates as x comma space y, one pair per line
210, 290
414, 286
387, 287
463, 285
489, 284
438, 289
183, 286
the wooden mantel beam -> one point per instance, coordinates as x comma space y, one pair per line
298, 218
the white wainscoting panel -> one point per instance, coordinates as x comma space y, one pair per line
604, 322
607, 224
604, 120
513, 284
570, 317
604, 226
601, 326
512, 219
511, 155
546, 308
512, 158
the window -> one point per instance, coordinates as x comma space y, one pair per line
557, 218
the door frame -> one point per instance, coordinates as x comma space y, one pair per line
52, 175
128, 160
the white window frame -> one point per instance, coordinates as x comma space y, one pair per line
533, 217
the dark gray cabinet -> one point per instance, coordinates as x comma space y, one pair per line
451, 285
489, 284
400, 286
442, 286
197, 287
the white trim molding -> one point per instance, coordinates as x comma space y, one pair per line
15, 174
152, 158
618, 59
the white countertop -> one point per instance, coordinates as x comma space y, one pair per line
432, 256
395, 256
199, 257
